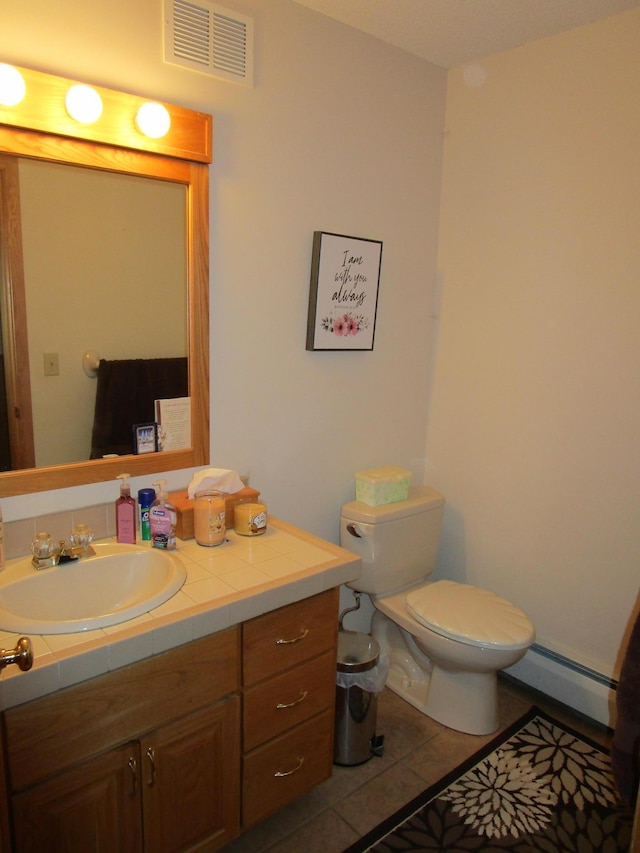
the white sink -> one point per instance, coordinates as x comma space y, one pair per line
118, 583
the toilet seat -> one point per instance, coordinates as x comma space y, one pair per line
470, 615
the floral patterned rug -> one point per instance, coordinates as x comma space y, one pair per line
537, 786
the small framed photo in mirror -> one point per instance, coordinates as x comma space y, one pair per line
145, 438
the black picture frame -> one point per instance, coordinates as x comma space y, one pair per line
343, 293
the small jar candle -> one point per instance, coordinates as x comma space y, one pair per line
250, 519
208, 518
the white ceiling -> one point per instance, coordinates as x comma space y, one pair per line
454, 32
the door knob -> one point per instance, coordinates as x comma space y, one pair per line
22, 655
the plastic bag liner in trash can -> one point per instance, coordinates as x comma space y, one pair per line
361, 675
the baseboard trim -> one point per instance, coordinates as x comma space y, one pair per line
581, 688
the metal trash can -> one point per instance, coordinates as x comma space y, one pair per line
356, 707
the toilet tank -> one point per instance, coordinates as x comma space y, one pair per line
397, 542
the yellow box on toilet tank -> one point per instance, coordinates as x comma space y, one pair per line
386, 485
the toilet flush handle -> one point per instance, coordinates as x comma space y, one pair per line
353, 530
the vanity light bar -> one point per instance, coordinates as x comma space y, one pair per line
65, 107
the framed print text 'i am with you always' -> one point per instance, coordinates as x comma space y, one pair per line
343, 296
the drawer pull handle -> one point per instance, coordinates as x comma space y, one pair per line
294, 640
301, 698
281, 773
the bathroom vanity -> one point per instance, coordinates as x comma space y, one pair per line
185, 748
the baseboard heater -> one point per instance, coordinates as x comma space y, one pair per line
580, 687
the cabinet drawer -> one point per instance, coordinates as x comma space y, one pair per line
288, 699
284, 638
280, 771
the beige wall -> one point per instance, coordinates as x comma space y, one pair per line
535, 419
340, 133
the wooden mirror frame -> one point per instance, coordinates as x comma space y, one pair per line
39, 127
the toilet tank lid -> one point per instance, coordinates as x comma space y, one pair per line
421, 499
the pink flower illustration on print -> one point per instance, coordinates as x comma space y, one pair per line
351, 325
340, 326
345, 324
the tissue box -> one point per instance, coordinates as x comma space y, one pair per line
377, 486
184, 509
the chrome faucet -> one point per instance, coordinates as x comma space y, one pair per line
48, 553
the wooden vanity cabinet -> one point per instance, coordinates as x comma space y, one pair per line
289, 664
169, 754
143, 758
162, 793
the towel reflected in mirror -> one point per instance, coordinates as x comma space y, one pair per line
125, 396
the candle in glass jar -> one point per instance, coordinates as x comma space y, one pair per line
208, 518
250, 519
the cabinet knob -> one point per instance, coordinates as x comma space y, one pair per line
22, 655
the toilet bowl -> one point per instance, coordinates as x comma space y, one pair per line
445, 641
461, 638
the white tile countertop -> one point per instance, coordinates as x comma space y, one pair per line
228, 584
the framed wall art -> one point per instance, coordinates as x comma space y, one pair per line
343, 295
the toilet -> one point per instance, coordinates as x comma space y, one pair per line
445, 641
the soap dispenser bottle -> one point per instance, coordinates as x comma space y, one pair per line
162, 519
145, 498
125, 513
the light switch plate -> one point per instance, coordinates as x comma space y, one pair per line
51, 364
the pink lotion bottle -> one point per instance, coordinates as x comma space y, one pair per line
125, 513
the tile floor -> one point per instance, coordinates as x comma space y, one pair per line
417, 752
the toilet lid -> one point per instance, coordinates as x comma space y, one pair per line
470, 614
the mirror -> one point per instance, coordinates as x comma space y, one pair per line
116, 244
40, 131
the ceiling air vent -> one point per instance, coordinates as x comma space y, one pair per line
207, 38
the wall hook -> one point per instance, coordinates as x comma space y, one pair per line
90, 362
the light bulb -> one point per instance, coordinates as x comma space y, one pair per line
153, 120
12, 86
83, 104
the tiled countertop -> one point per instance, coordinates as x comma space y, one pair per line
242, 578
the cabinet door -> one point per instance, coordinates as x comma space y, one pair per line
191, 781
93, 807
